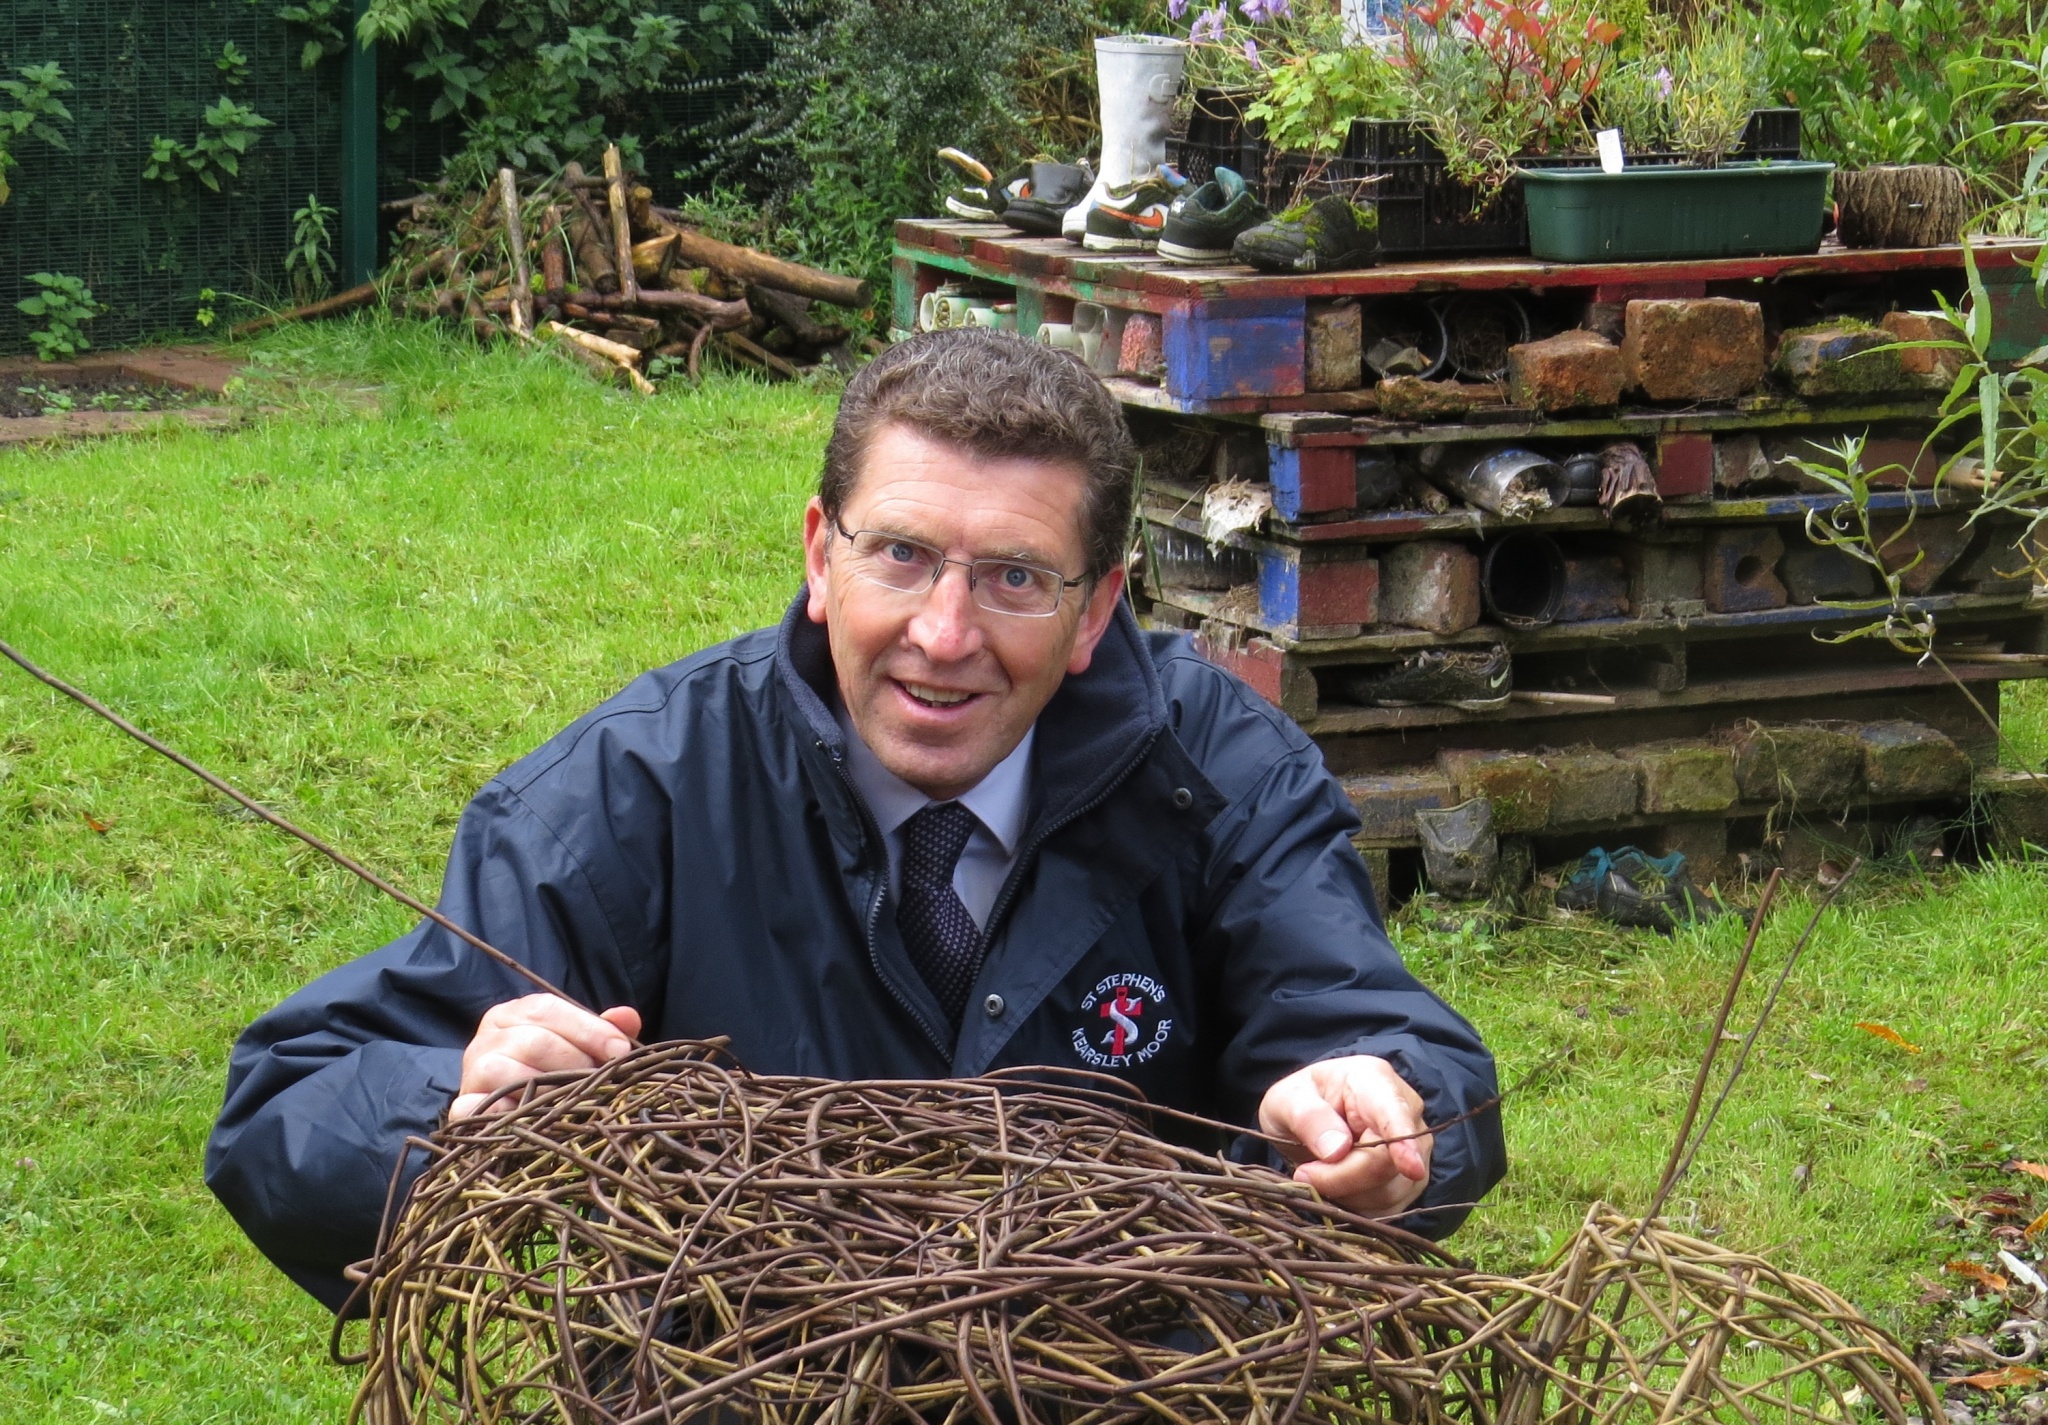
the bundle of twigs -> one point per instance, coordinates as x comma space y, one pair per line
672, 1235
591, 261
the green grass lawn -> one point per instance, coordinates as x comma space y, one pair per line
359, 617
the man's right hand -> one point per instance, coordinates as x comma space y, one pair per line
537, 1035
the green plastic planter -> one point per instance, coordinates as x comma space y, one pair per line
1737, 210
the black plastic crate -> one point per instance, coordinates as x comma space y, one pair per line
1218, 135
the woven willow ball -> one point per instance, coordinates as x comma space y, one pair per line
671, 1236
1652, 1327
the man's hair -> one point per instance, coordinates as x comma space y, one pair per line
996, 396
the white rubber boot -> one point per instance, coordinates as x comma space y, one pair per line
1136, 77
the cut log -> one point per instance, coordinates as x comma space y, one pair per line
622, 227
589, 238
653, 258
624, 357
723, 315
747, 265
756, 354
515, 244
554, 255
347, 301
794, 312
640, 208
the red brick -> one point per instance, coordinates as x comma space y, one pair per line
1741, 570
1685, 466
1925, 365
1935, 541
1264, 668
1574, 370
1710, 349
1341, 591
1143, 352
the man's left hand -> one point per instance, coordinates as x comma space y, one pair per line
1327, 1110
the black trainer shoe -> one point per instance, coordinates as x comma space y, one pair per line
1632, 887
1477, 680
1037, 198
1329, 235
1201, 225
1131, 218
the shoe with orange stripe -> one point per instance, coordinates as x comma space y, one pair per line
1131, 218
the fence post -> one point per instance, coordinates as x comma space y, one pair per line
358, 156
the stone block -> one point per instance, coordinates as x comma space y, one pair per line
1741, 570
1817, 573
1800, 763
1837, 359
1430, 583
1932, 367
1683, 776
1595, 587
1386, 802
1921, 550
1693, 349
1410, 398
1666, 580
1591, 788
1331, 345
1911, 760
1999, 564
1703, 843
1572, 371
1739, 462
1379, 870
1517, 783
2016, 803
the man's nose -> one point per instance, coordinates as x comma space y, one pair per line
946, 628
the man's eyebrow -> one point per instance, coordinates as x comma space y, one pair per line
1018, 554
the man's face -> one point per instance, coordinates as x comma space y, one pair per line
940, 688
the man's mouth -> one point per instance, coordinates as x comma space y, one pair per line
932, 697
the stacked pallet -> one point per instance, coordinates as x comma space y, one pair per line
1609, 473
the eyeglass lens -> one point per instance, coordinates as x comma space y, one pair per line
1000, 585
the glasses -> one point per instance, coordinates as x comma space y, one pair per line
1002, 586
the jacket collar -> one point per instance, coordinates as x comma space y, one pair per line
1098, 725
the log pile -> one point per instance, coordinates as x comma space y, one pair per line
591, 262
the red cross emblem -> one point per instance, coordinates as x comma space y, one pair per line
1122, 1012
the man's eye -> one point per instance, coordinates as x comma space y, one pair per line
901, 552
1016, 576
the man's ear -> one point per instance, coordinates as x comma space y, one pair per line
1095, 617
817, 533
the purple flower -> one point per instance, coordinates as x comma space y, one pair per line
1176, 8
1663, 83
1208, 27
1251, 54
1254, 10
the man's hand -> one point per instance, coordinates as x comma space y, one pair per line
537, 1035
1327, 1109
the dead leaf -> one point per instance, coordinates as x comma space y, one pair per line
1976, 1272
102, 827
2036, 1227
1888, 1034
2000, 1379
2020, 1166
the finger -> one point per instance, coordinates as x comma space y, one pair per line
624, 1018
599, 1039
466, 1105
1365, 1182
533, 1049
1388, 1114
1295, 1108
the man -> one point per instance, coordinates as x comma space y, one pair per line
956, 813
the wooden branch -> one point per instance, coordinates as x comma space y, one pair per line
622, 227
594, 266
794, 312
760, 355
624, 357
723, 315
554, 256
348, 301
515, 242
747, 265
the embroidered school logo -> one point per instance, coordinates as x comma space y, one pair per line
1121, 1023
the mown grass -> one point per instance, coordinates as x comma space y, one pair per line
359, 617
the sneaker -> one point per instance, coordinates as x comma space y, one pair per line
1130, 219
1038, 195
1201, 226
976, 195
1478, 680
1329, 235
1632, 887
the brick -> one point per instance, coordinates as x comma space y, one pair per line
1708, 349
1142, 352
1926, 366
1410, 398
1517, 783
1666, 580
1807, 845
1819, 573
1332, 347
1593, 788
1311, 479
1387, 802
1801, 763
1595, 587
1704, 844
1429, 583
1741, 570
1910, 759
1685, 467
1839, 359
2001, 565
1683, 776
1739, 462
1312, 592
1264, 667
1922, 550
1572, 371
2016, 803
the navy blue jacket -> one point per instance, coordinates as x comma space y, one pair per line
1186, 912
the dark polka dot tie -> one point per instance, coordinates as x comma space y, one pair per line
943, 940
